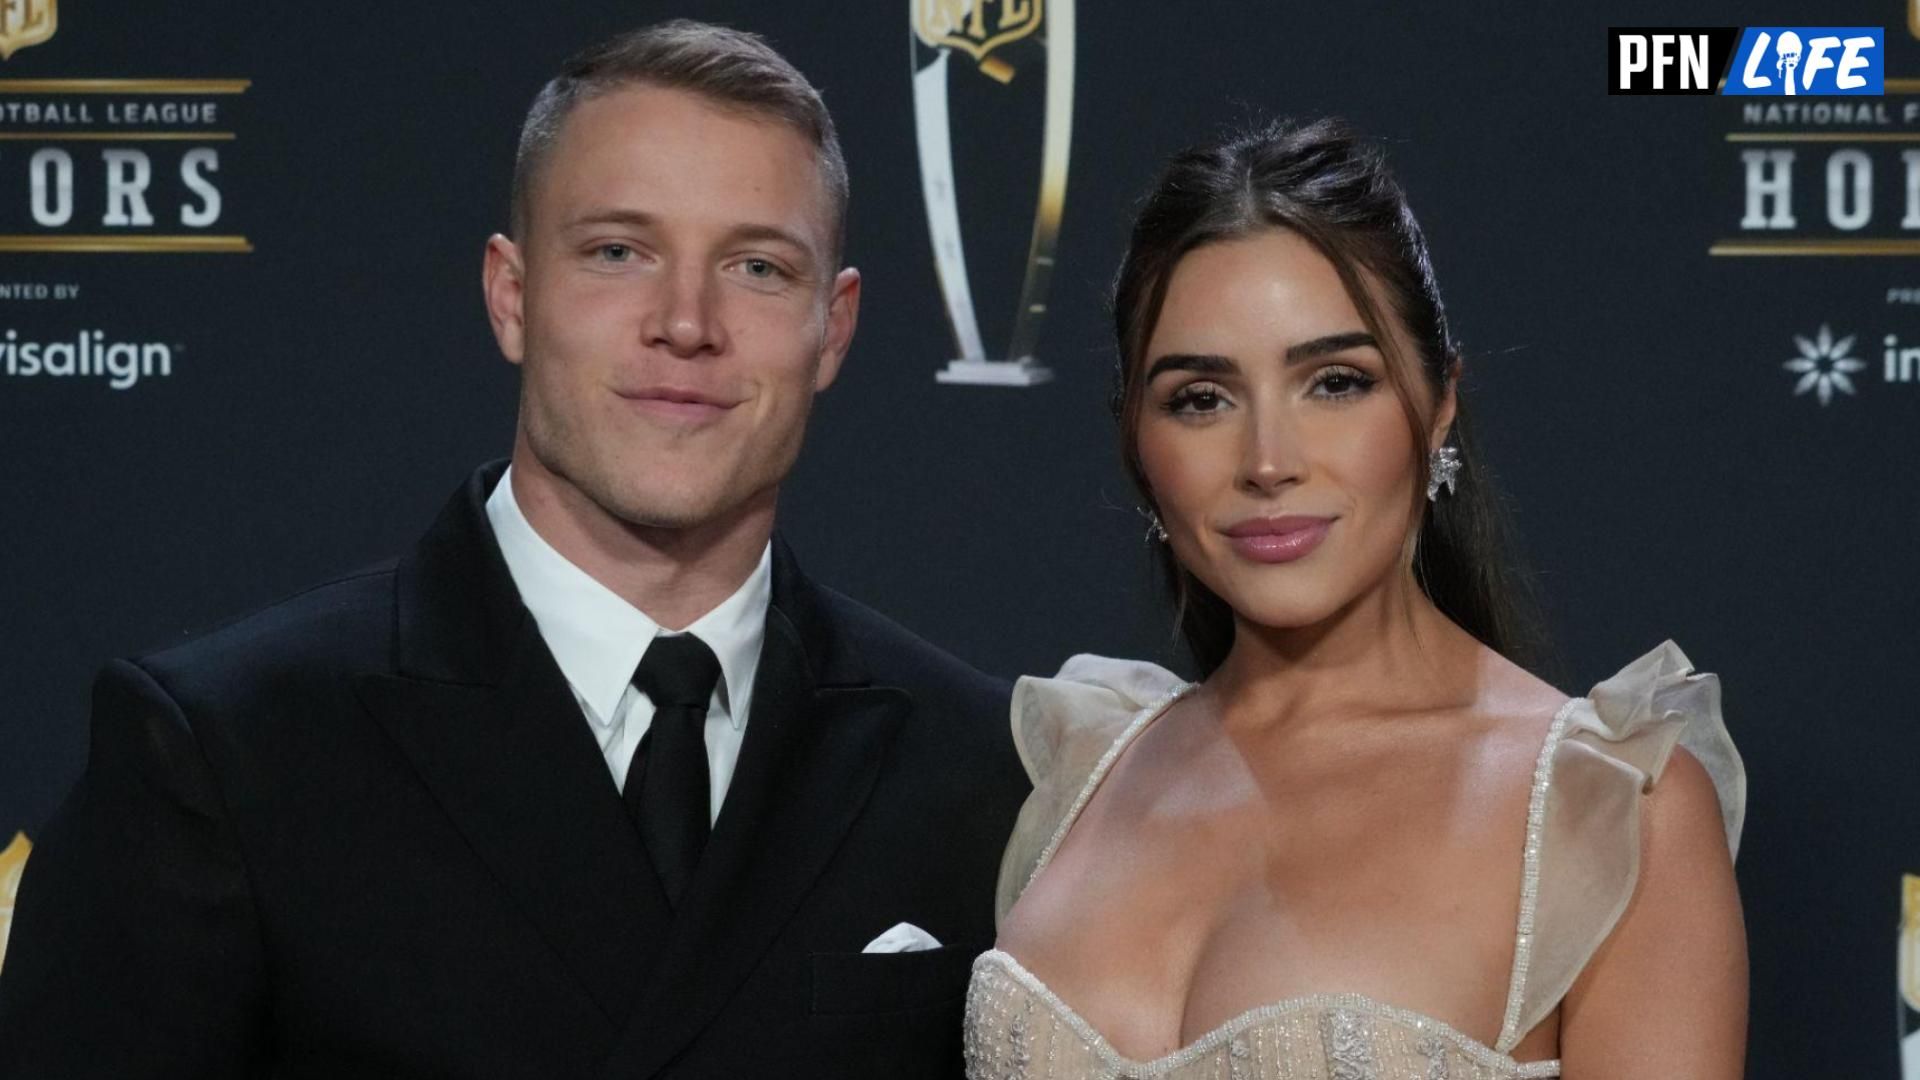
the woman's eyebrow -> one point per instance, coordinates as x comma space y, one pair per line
1331, 343
1199, 363
1215, 364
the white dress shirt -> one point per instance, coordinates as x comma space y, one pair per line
597, 638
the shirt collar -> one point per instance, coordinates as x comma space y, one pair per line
735, 630
597, 638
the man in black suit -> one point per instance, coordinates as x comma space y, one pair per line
594, 782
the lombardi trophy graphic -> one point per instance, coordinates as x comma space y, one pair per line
942, 28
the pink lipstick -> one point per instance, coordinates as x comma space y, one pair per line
1278, 539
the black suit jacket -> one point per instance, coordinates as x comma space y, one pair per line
367, 832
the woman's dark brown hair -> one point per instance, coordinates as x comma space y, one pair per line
1322, 182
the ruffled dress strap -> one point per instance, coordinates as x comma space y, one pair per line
1064, 727
1583, 838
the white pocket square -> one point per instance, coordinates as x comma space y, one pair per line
904, 937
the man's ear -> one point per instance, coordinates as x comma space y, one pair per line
503, 278
843, 313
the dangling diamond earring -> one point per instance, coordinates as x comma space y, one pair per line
1443, 467
1155, 530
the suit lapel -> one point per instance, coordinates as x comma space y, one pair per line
814, 746
517, 770
484, 716
482, 712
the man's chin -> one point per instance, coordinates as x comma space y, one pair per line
656, 515
664, 490
673, 511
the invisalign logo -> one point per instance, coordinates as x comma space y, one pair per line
1823, 365
121, 363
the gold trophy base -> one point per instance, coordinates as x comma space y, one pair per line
1022, 372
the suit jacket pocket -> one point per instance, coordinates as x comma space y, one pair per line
891, 982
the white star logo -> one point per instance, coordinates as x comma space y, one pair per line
1823, 364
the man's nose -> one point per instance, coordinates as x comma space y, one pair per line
685, 321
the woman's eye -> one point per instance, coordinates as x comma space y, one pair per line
1196, 399
1343, 383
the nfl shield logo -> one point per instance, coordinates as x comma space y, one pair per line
26, 22
977, 27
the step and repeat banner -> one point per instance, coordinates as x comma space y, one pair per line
242, 348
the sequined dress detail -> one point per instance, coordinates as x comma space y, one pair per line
1602, 752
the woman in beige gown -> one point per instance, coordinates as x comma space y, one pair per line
1367, 844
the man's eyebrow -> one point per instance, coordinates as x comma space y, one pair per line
769, 234
637, 218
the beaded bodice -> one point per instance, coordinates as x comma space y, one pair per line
1018, 1029
1600, 753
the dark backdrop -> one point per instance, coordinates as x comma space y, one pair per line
330, 387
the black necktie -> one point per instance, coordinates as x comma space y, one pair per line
667, 781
